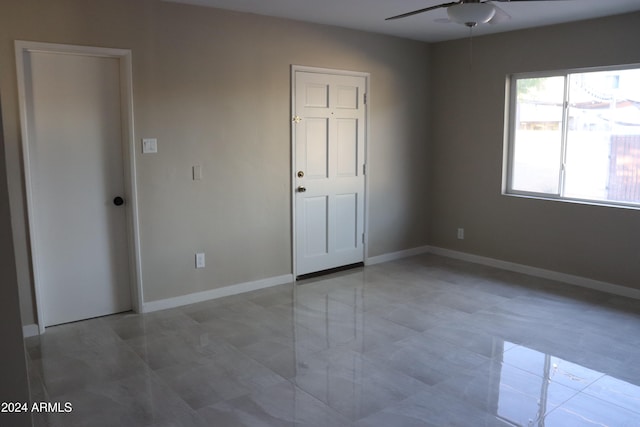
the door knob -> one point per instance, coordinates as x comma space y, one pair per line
300, 174
302, 189
118, 201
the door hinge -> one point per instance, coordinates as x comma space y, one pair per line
365, 99
363, 238
364, 169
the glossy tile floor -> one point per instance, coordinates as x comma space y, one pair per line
425, 341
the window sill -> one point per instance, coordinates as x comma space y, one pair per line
573, 201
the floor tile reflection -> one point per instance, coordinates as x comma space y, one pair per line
424, 341
279, 406
586, 410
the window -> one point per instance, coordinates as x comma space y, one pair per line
575, 136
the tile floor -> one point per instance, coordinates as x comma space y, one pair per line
425, 341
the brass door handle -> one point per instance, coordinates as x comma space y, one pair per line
301, 189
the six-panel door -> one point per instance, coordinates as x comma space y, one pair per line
329, 132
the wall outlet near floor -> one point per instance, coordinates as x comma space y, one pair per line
461, 233
200, 260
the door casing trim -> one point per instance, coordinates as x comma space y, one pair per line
129, 156
367, 78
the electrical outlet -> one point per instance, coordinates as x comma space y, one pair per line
200, 263
461, 233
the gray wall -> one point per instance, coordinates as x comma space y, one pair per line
214, 88
468, 108
13, 369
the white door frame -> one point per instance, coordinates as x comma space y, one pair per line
126, 95
367, 78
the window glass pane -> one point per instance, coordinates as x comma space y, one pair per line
603, 139
538, 135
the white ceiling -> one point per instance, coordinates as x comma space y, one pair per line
369, 15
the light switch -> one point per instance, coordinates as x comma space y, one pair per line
197, 172
149, 145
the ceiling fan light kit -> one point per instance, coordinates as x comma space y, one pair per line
471, 14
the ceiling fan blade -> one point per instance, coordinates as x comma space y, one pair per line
426, 9
513, 1
500, 16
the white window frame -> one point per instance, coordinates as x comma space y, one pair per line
510, 132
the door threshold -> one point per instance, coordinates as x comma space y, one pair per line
329, 271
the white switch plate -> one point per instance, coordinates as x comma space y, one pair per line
461, 233
197, 172
149, 145
200, 262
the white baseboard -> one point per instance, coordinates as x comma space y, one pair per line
30, 330
216, 293
33, 330
397, 255
539, 272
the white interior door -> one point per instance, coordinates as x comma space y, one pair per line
79, 236
329, 138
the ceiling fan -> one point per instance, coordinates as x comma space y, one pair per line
470, 12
